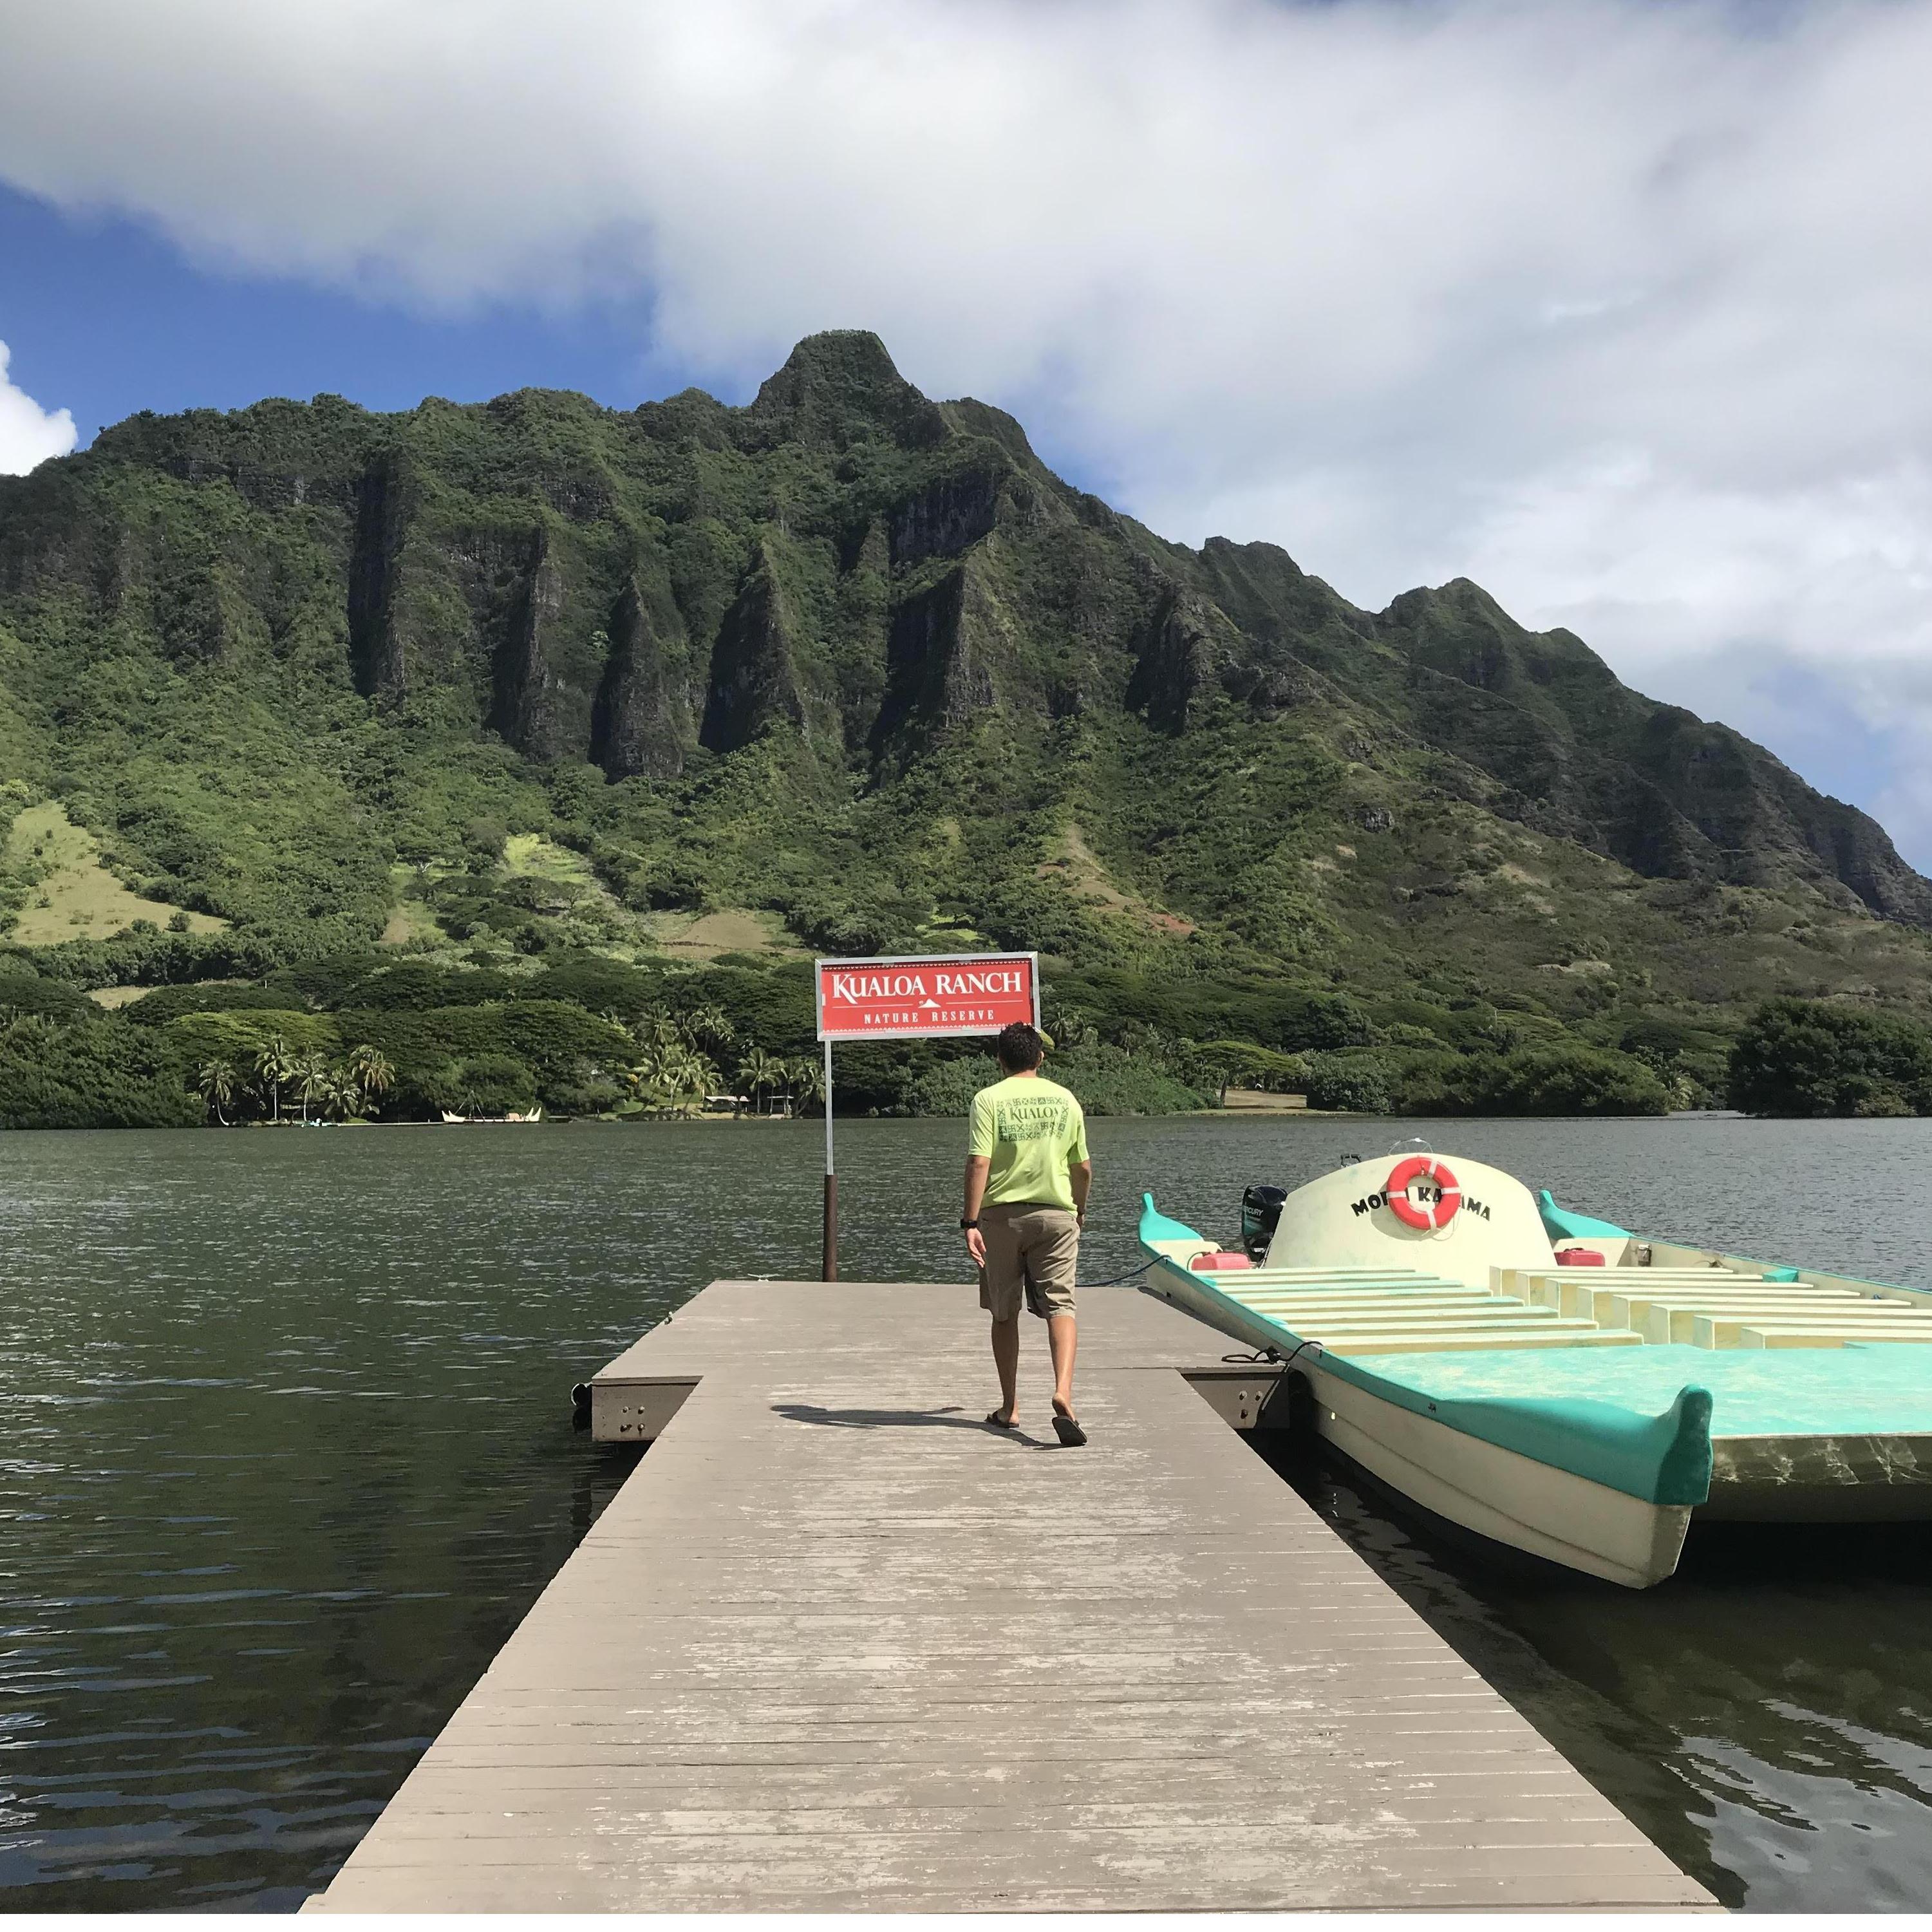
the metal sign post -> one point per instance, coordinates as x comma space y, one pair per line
828, 1266
933, 996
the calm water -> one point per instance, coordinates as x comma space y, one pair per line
286, 1452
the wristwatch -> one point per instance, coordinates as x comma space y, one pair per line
974, 1223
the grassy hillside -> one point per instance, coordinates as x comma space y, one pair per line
501, 687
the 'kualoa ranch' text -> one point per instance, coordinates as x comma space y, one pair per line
855, 987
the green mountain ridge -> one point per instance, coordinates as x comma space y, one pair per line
852, 670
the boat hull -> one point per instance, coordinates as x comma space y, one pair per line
1510, 1498
1480, 1487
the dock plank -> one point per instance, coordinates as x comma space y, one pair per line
835, 1646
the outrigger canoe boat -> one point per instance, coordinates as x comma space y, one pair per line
1557, 1383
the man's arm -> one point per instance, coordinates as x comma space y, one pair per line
1080, 1173
977, 1167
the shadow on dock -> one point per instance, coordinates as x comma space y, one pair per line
952, 1418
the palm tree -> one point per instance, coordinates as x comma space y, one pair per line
344, 1095
216, 1083
272, 1064
805, 1080
761, 1072
688, 1076
312, 1078
659, 1029
1071, 1028
672, 1072
652, 1065
371, 1072
708, 1026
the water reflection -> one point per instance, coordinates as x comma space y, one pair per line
286, 1450
1762, 1716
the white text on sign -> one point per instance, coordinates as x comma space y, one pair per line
855, 987
900, 998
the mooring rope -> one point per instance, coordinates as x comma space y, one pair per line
1114, 1281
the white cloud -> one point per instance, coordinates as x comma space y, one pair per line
28, 434
1617, 307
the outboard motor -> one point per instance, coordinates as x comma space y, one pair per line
1260, 1211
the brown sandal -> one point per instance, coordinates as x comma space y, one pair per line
996, 1420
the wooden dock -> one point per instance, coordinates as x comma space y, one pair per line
835, 1645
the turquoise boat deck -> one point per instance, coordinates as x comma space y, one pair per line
1862, 1388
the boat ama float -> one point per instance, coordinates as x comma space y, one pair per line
1556, 1382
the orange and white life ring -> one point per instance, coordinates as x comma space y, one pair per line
1439, 1211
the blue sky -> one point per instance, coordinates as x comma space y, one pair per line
1616, 308
105, 317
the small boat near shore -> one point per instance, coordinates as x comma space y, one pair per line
1555, 1382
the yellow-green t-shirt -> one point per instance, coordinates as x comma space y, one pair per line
1031, 1130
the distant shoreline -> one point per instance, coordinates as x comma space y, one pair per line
749, 1120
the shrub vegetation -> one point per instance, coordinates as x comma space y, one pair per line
1810, 1059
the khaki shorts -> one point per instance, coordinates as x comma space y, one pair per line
1031, 1247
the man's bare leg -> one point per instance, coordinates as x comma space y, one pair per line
1007, 1361
1059, 1338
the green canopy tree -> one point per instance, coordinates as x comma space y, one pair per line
1814, 1059
1223, 1063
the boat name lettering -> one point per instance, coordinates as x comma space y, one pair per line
1431, 1194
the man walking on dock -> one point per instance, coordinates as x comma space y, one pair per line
1026, 1176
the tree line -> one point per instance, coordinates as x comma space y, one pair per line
349, 1089
667, 1064
369, 1036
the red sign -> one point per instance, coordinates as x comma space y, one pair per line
910, 999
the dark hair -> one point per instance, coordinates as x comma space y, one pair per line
1019, 1047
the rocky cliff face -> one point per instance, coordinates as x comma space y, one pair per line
858, 583
383, 515
756, 685
641, 725
1661, 790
